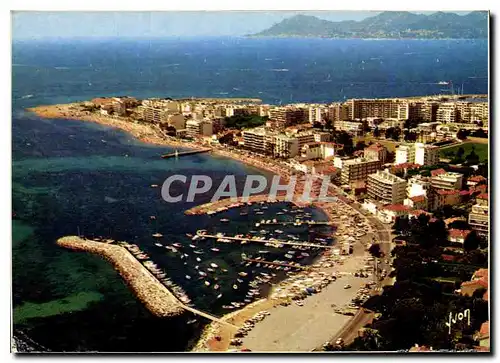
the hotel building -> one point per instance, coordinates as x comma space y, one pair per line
386, 187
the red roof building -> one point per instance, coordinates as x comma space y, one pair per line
438, 172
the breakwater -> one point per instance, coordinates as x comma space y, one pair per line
155, 297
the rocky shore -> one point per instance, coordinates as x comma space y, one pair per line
155, 297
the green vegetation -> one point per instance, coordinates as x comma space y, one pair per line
416, 308
70, 304
388, 24
455, 152
244, 121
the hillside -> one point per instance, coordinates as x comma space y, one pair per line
388, 24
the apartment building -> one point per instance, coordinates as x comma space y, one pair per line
349, 126
383, 108
405, 153
258, 140
386, 187
418, 185
153, 114
339, 112
287, 116
199, 128
447, 112
285, 146
322, 136
479, 215
426, 154
304, 138
358, 170
442, 179
375, 151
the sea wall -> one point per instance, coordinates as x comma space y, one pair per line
155, 296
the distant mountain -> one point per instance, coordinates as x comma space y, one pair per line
388, 24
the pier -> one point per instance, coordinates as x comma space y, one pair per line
157, 298
296, 223
184, 153
264, 241
264, 262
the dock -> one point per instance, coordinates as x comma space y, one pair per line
156, 297
184, 153
264, 262
264, 241
296, 223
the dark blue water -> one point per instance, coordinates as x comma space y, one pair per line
70, 175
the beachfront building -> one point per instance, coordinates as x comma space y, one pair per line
358, 170
318, 150
285, 146
441, 179
338, 112
177, 121
258, 140
383, 108
479, 215
303, 138
375, 151
199, 128
386, 187
447, 112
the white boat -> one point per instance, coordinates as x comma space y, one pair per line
216, 287
210, 269
192, 246
214, 265
202, 273
188, 277
240, 281
198, 252
176, 245
243, 274
157, 235
215, 249
235, 287
207, 283
158, 244
198, 259
224, 220
219, 296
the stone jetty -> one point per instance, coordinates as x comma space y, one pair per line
155, 296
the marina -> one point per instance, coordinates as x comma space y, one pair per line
271, 242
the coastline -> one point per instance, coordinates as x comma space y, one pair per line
155, 297
149, 134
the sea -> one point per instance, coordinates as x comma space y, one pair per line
71, 177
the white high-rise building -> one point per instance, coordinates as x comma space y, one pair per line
386, 187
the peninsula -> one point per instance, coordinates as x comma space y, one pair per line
388, 25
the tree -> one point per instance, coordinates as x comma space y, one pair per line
460, 152
376, 132
472, 158
471, 242
366, 128
375, 250
360, 145
462, 134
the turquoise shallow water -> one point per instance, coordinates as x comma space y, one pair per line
70, 175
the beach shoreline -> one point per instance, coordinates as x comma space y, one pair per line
149, 134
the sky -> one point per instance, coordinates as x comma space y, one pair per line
31, 24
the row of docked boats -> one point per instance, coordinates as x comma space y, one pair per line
157, 272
